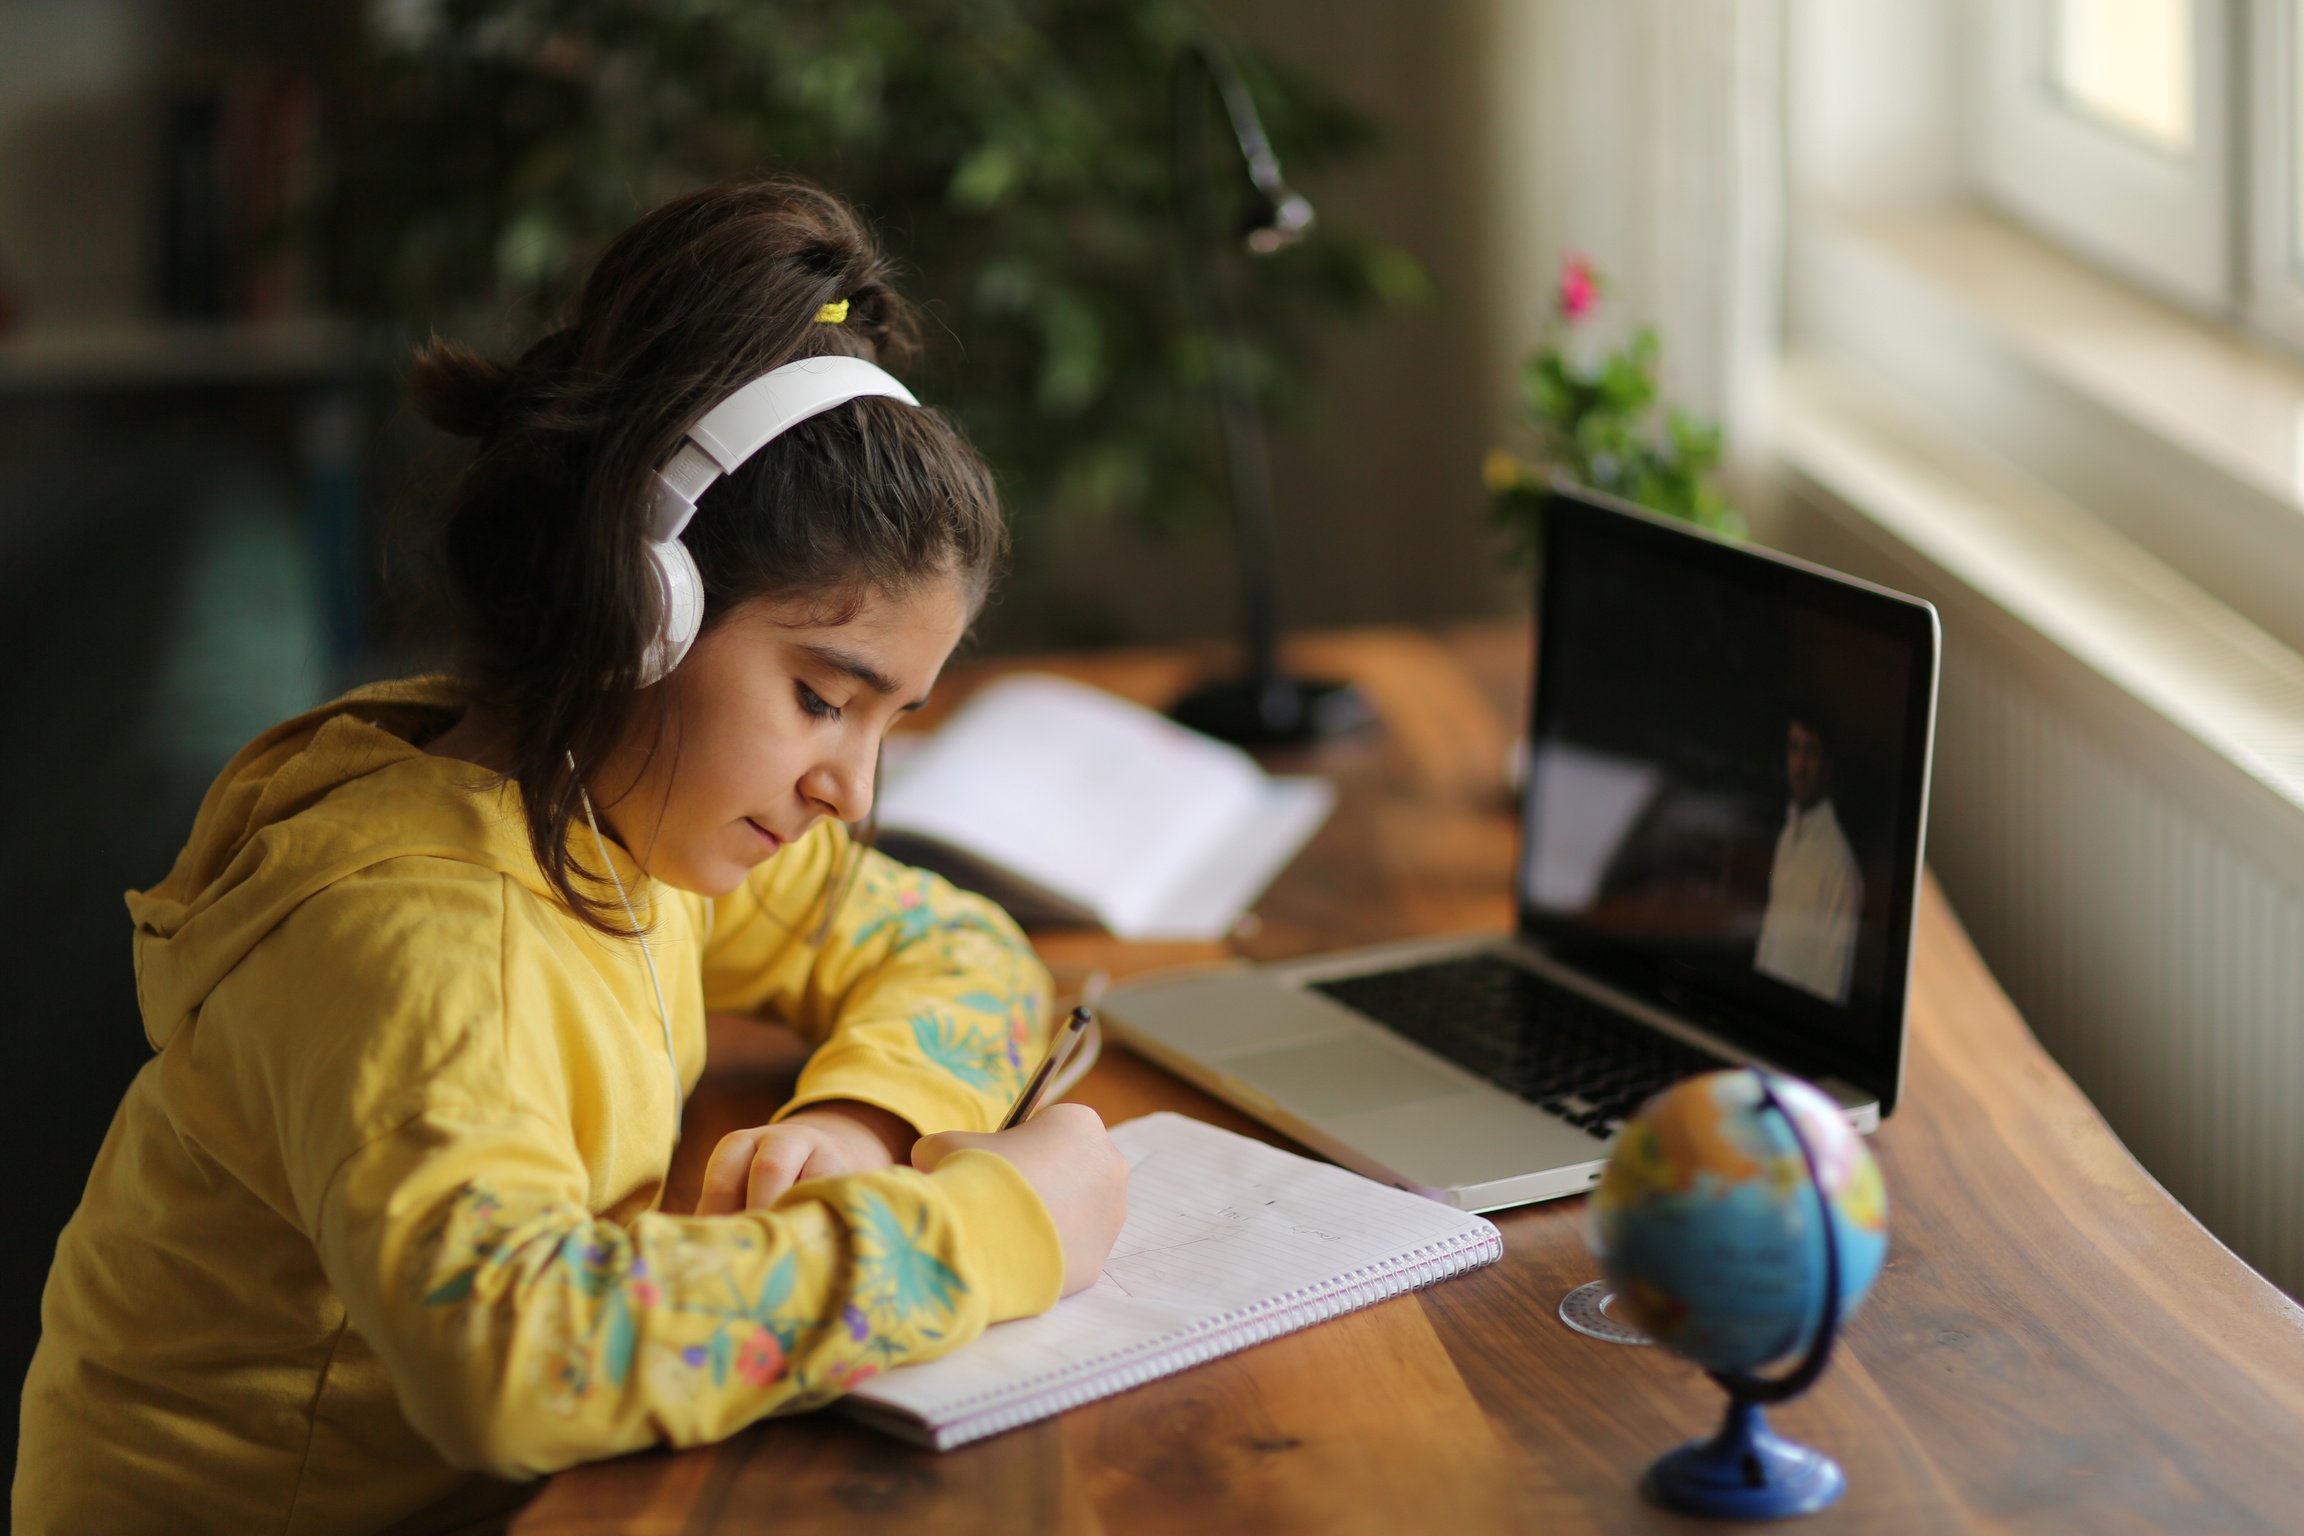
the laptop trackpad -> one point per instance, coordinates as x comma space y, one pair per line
1341, 1076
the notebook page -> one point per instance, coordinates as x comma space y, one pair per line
1221, 1228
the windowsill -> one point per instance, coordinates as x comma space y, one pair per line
2180, 436
2112, 486
2210, 390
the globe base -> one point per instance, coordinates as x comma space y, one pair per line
1746, 1472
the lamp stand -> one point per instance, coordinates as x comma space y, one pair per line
1263, 706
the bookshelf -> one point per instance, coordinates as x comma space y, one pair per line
139, 354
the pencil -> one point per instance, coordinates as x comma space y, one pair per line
1058, 1050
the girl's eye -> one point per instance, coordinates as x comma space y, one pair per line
813, 703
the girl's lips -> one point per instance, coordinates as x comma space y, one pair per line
768, 839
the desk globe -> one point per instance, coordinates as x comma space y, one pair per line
1709, 1221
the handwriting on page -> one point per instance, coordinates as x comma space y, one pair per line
1253, 1238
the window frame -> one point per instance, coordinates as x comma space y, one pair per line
2164, 220
2275, 288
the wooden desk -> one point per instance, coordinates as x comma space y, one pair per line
2054, 1345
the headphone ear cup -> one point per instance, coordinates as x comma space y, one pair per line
680, 594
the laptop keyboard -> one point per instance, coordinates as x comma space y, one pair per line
1530, 1036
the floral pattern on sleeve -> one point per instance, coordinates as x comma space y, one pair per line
908, 911
683, 1306
978, 1036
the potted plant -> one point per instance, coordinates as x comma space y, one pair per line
1595, 420
1016, 156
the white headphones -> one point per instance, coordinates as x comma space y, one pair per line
731, 432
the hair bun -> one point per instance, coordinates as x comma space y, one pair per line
456, 389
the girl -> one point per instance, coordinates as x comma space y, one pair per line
376, 1228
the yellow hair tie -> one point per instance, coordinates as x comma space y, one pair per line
832, 314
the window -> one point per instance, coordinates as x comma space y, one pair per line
2108, 124
2161, 138
2128, 65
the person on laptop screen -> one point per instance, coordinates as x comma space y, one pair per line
1815, 891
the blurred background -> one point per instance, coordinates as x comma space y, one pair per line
1996, 301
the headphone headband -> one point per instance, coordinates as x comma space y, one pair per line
744, 423
731, 432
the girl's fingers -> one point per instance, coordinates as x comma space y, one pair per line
752, 1168
777, 1161
727, 1172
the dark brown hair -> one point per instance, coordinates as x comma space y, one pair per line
540, 548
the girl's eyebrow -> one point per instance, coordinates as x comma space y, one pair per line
857, 667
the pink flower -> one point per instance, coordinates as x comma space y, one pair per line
646, 1292
760, 1359
1579, 288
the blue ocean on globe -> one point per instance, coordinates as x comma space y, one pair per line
1709, 1231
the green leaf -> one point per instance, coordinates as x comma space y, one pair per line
453, 1290
1072, 342
1397, 279
985, 177
900, 1274
967, 1056
532, 249
623, 1337
776, 1289
1625, 386
1546, 390
722, 1352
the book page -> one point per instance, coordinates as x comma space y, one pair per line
1208, 899
1217, 1224
1098, 800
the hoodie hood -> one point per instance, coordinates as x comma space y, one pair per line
308, 803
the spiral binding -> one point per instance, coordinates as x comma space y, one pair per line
1021, 1402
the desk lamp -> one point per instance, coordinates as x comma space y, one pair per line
1263, 706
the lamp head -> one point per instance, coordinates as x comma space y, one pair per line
1283, 219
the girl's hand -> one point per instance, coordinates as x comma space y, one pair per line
751, 1168
1068, 1158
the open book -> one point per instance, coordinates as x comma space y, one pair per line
1066, 804
1229, 1242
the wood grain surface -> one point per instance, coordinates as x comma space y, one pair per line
2054, 1344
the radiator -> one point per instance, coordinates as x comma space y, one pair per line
2156, 956
2118, 805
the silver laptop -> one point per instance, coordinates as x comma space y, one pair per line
1727, 788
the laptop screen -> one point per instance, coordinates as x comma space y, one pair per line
1727, 785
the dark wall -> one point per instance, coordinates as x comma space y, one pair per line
156, 594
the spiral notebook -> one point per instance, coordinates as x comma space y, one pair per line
1229, 1242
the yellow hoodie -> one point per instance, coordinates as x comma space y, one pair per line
377, 1225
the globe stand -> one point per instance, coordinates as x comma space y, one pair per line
1745, 1472
1748, 1471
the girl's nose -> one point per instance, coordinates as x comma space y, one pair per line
842, 783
